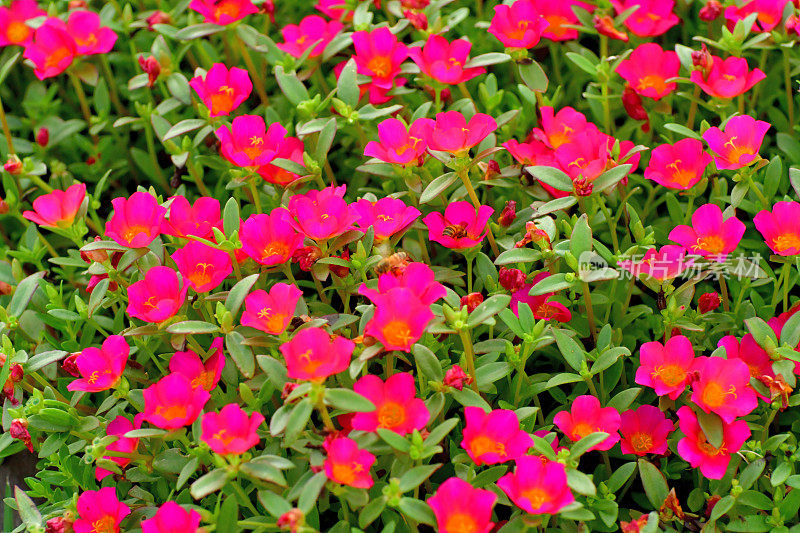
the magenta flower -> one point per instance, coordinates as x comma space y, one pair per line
312, 29
723, 387
738, 145
400, 319
780, 227
586, 417
347, 464
460, 226
667, 263
585, 157
417, 277
560, 128
727, 78
401, 145
541, 306
648, 68
57, 209
396, 406
223, 12
494, 437
205, 375
313, 354
678, 166
269, 239
52, 49
101, 368
770, 13
158, 296
13, 27
100, 511
136, 221
654, 17
754, 356
172, 518
231, 431
222, 90
460, 508
519, 25
453, 134
534, 152
204, 268
695, 448
290, 148
709, 235
172, 402
444, 61
644, 431
666, 368
198, 220
90, 37
272, 311
536, 486
559, 15
118, 428
379, 56
249, 143
388, 216
321, 215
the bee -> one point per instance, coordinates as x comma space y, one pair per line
395, 263
455, 231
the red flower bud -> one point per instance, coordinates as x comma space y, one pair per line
158, 17
5, 288
151, 67
268, 8
457, 378
19, 430
712, 501
42, 137
415, 4
77, 4
288, 387
508, 215
583, 187
634, 526
710, 11
3, 207
792, 25
69, 366
13, 166
472, 300
632, 103
511, 279
418, 19
605, 26
341, 271
57, 525
702, 60
306, 256
291, 520
16, 374
708, 302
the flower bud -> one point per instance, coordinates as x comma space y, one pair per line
151, 67
605, 26
702, 60
306, 256
583, 187
508, 215
158, 17
792, 25
13, 166
710, 11
418, 19
632, 103
268, 8
472, 300
42, 137
69, 366
58, 524
341, 271
708, 302
511, 279
415, 4
19, 431
3, 207
77, 4
291, 520
456, 377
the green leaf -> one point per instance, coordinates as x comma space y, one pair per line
417, 510
518, 255
230, 217
790, 332
440, 431
311, 491
23, 294
96, 298
298, 419
552, 283
415, 476
762, 333
722, 506
586, 443
427, 363
620, 476
371, 512
654, 482
583, 63
228, 517
491, 58
325, 140
488, 308
211, 482
394, 440
682, 130
184, 126
196, 327
238, 293
291, 86
348, 400
241, 354
552, 176
750, 475
610, 177
41, 360
437, 187
711, 424
347, 87
572, 352
580, 241
28, 512
580, 482
197, 31
533, 76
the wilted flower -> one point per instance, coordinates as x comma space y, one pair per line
151, 67
648, 68
709, 235
723, 387
271, 312
460, 508
644, 430
471, 301
444, 61
586, 417
780, 227
399, 144
270, 239
57, 209
100, 510
223, 12
494, 437
231, 431
200, 374
136, 221
172, 518
738, 145
537, 487
312, 29
511, 279
727, 78
19, 430
222, 90
101, 368
347, 464
666, 368
605, 26
313, 355
708, 302
700, 453
460, 226
13, 27
456, 377
508, 214
158, 296
396, 406
678, 166
173, 402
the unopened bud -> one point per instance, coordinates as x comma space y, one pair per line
710, 11
508, 215
42, 137
13, 166
472, 300
511, 279
605, 26
151, 67
708, 302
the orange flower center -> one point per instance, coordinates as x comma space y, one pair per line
380, 66
482, 445
537, 496
556, 26
558, 138
132, 231
670, 375
641, 442
224, 437
91, 40
681, 176
714, 395
462, 522
205, 380
519, 32
171, 412
17, 32
652, 81
310, 365
254, 149
56, 57
581, 429
391, 415
786, 241
276, 248
226, 8
397, 333
711, 243
346, 473
222, 101
275, 321
201, 275
107, 524
96, 375
708, 449
736, 152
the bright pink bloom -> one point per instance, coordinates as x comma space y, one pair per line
271, 311
709, 235
444, 61
158, 296
196, 220
52, 49
136, 221
379, 55
334, 9
644, 431
559, 15
249, 143
519, 25
200, 374
222, 90
172, 518
723, 387
90, 37
460, 226
654, 17
269, 239
401, 145
173, 402
118, 428
312, 355
452, 133
387, 216
204, 268
586, 417
417, 277
57, 209
312, 29
747, 350
396, 406
321, 215
460, 508
560, 128
770, 14
536, 486
101, 368
13, 30
223, 12
400, 319
100, 511
541, 306
347, 464
666, 368
648, 68
231, 431
695, 448
678, 166
780, 227
494, 437
533, 152
666, 263
585, 157
291, 148
727, 78
738, 146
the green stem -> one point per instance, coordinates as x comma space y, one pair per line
84, 104
787, 81
604, 87
477, 203
749, 177
787, 276
254, 191
6, 129
323, 413
587, 298
469, 355
723, 288
198, 179
258, 78
112, 85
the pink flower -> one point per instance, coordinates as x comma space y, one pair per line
537, 487
172, 402
271, 312
396, 406
586, 417
249, 143
388, 216
723, 387
494, 437
270, 239
231, 431
57, 209
400, 145
541, 306
172, 518
204, 268
118, 428
334, 9
648, 68
695, 448
312, 29
519, 25
400, 319
136, 221
460, 508
321, 215
290, 148
347, 464
222, 90
198, 220
100, 511
585, 158
738, 146
678, 166
644, 431
52, 49
666, 368
560, 128
770, 13
727, 78
444, 61
780, 227
747, 350
223, 12
13, 30
158, 296
101, 368
559, 15
709, 235
664, 264
452, 133
654, 17
379, 56
312, 355
417, 277
534, 152
90, 37
460, 226
200, 374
